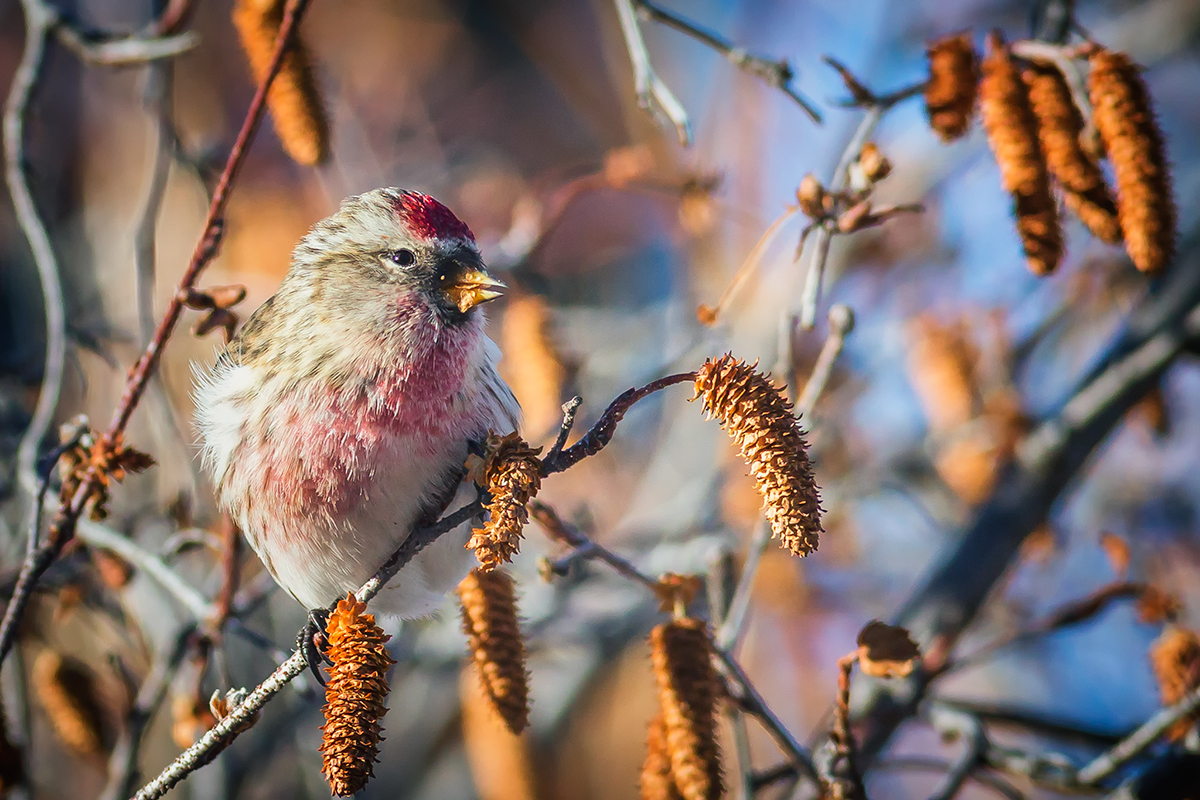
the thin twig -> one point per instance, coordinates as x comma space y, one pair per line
123, 763
602, 432
1134, 744
584, 547
652, 93
777, 74
743, 691
231, 559
96, 535
68, 514
844, 767
569, 409
39, 22
876, 106
126, 51
975, 742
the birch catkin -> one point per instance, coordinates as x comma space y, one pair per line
760, 420
512, 478
657, 782
294, 99
952, 86
1059, 127
1133, 141
688, 688
489, 619
354, 697
1012, 132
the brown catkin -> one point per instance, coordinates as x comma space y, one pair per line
1012, 133
512, 478
1123, 116
657, 782
294, 100
533, 366
66, 691
1175, 657
952, 86
354, 696
760, 420
688, 689
1059, 127
489, 615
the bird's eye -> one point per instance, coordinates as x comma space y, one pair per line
402, 258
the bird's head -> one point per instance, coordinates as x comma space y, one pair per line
398, 246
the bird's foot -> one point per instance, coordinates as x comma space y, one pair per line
312, 642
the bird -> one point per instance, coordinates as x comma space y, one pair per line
341, 414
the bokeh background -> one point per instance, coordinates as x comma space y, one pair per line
521, 116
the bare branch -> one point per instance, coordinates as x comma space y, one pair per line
777, 74
876, 106
39, 22
1139, 740
652, 93
124, 52
602, 432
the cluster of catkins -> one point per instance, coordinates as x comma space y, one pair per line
1041, 138
683, 760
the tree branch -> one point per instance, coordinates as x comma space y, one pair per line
1047, 461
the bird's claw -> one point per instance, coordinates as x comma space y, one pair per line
307, 642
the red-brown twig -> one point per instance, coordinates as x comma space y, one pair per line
68, 515
845, 779
602, 432
231, 553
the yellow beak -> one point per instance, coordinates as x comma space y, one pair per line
472, 288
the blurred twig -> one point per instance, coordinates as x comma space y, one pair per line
652, 93
40, 20
740, 687
1139, 740
777, 74
583, 547
123, 763
876, 106
974, 743
96, 535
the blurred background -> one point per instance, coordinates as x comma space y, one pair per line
521, 116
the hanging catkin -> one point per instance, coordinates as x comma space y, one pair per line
354, 696
489, 618
1012, 132
294, 100
1134, 143
760, 420
1059, 127
688, 688
952, 86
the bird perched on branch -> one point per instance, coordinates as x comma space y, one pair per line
341, 414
